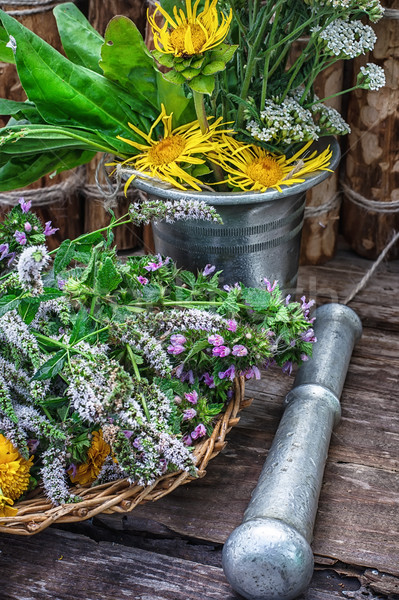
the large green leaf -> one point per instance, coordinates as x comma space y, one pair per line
68, 94
174, 100
6, 54
81, 42
20, 171
20, 110
126, 60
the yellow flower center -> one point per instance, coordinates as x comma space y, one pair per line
178, 38
167, 150
265, 171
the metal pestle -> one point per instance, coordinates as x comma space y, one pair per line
268, 557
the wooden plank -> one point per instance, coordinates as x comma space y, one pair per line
357, 520
61, 565
64, 566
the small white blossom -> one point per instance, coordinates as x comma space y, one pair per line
371, 77
347, 39
30, 265
285, 121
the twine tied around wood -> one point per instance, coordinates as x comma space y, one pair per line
40, 6
371, 205
54, 194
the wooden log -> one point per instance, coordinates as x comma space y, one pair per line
372, 166
127, 237
320, 229
100, 12
38, 17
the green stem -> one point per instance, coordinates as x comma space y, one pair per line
116, 223
333, 96
200, 111
133, 361
267, 60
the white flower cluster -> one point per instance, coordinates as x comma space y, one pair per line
347, 39
30, 265
18, 437
330, 120
147, 345
53, 475
87, 387
373, 8
30, 419
371, 77
285, 121
15, 332
57, 306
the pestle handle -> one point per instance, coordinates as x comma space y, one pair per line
268, 557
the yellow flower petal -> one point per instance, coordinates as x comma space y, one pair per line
190, 34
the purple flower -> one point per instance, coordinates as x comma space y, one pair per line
11, 257
25, 206
20, 237
128, 434
308, 336
251, 372
270, 288
239, 350
189, 414
61, 283
307, 305
208, 380
153, 266
137, 444
4, 248
72, 467
230, 373
33, 445
216, 340
287, 367
177, 399
48, 230
175, 349
142, 280
304, 357
191, 397
187, 376
198, 432
28, 226
221, 351
163, 463
287, 299
232, 325
177, 339
230, 288
187, 439
209, 269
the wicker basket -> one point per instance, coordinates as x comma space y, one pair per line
36, 512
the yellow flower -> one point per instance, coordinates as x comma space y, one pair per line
14, 473
251, 168
88, 472
162, 158
189, 34
6, 509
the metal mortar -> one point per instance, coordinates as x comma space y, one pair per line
268, 557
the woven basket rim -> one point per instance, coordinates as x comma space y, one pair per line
37, 512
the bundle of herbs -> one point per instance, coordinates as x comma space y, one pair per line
115, 368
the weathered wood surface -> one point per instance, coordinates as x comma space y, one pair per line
372, 156
171, 549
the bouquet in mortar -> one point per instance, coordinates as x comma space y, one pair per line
116, 369
234, 104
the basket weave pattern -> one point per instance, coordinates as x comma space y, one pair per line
37, 512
